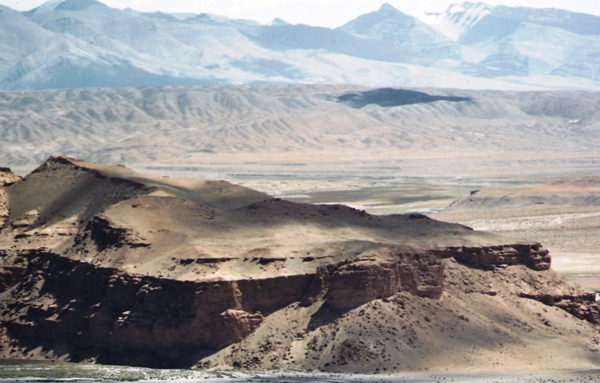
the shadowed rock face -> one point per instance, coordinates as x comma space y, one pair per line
533, 256
112, 310
389, 97
173, 274
109, 310
106, 235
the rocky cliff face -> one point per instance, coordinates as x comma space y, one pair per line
157, 319
151, 320
168, 274
533, 256
7, 177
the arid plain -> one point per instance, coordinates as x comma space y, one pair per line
553, 200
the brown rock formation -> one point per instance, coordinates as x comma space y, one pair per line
533, 255
376, 275
100, 263
582, 306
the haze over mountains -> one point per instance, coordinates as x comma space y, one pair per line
84, 43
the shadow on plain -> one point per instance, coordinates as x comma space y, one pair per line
389, 97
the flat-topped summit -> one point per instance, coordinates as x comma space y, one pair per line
101, 263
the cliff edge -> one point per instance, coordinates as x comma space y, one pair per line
99, 263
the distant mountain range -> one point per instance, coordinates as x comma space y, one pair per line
196, 125
84, 43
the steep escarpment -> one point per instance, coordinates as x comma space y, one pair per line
102, 264
479, 323
533, 256
98, 311
159, 322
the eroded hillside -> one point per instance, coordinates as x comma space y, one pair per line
102, 264
382, 128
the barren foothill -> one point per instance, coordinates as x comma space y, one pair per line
103, 264
561, 212
259, 129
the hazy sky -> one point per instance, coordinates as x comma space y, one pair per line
330, 13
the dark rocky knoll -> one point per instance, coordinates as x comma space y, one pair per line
101, 264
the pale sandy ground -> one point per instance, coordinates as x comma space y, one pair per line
565, 217
562, 213
552, 198
567, 222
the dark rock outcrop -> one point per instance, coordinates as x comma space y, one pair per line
582, 306
533, 256
112, 310
367, 278
106, 235
7, 178
101, 310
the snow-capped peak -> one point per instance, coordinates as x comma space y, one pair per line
387, 8
277, 22
48, 6
467, 7
64, 5
458, 18
456, 8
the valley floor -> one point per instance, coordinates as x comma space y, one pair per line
553, 199
27, 371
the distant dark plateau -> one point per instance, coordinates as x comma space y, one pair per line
389, 97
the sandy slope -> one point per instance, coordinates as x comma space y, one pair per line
563, 213
477, 325
189, 218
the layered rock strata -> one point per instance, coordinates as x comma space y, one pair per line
99, 263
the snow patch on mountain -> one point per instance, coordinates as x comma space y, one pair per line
419, 40
457, 19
